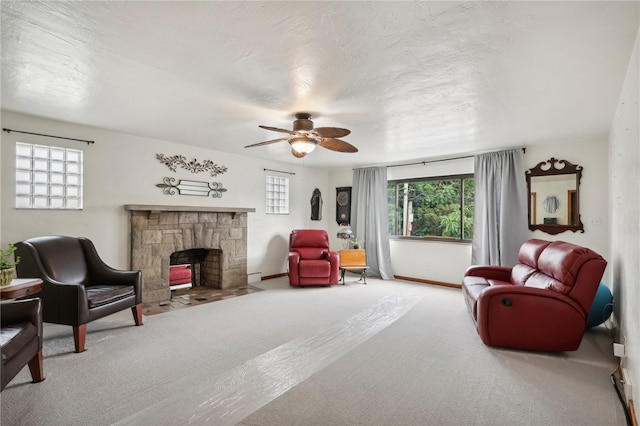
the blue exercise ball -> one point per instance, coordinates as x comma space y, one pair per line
601, 307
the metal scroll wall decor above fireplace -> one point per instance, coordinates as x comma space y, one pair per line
172, 186
191, 187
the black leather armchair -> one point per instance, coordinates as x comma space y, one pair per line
21, 339
78, 287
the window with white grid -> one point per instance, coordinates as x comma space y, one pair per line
277, 195
48, 177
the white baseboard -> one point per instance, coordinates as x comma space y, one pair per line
254, 277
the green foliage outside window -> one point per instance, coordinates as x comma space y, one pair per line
432, 207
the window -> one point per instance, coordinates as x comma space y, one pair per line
277, 195
432, 207
48, 177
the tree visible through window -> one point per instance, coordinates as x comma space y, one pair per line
438, 207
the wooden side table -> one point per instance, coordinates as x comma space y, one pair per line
20, 287
353, 260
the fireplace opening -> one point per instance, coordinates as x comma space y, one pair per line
180, 276
198, 267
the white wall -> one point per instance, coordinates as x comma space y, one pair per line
122, 169
624, 206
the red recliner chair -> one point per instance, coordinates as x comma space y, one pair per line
540, 304
310, 260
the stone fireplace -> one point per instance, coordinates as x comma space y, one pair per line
157, 232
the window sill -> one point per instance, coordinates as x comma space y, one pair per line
430, 239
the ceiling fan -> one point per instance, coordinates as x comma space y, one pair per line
304, 138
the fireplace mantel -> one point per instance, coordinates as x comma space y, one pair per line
155, 208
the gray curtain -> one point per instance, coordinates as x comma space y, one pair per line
369, 218
500, 223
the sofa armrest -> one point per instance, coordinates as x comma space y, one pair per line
294, 261
332, 256
294, 257
529, 318
334, 260
102, 274
490, 272
25, 310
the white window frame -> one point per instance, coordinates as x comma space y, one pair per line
48, 177
277, 195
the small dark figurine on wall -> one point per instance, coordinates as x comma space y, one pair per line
316, 205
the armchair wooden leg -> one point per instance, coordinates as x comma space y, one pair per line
79, 336
137, 313
35, 367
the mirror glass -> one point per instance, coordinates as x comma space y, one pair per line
554, 197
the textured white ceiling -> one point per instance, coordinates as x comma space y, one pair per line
411, 80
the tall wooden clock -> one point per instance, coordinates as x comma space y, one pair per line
343, 205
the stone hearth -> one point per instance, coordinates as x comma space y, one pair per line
159, 231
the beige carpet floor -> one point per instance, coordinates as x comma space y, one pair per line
385, 353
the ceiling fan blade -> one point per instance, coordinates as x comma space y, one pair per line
276, 129
331, 132
297, 154
267, 142
337, 145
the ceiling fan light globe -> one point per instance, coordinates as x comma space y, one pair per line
303, 146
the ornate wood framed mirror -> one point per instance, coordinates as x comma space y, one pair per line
554, 197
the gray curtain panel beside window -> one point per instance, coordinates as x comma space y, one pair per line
500, 224
369, 218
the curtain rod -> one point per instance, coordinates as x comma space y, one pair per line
430, 161
524, 150
49, 136
278, 171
